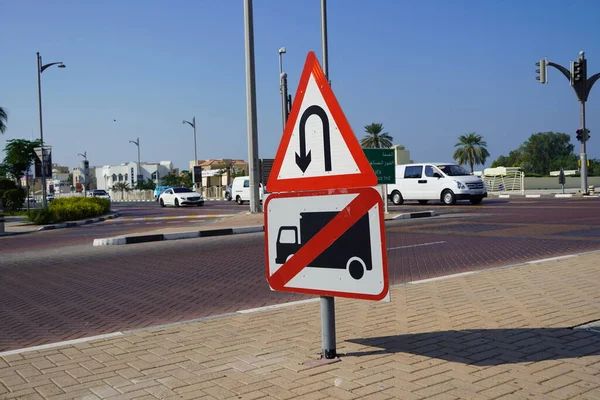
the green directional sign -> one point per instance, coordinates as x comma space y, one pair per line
383, 163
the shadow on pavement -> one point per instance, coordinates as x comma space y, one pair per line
488, 347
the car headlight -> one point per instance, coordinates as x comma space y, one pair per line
460, 185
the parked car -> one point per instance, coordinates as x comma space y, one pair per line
445, 182
103, 194
158, 191
240, 189
228, 193
180, 196
49, 197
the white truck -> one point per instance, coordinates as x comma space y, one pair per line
445, 182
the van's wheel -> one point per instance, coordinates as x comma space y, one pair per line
176, 203
356, 267
238, 200
397, 198
448, 197
162, 203
423, 201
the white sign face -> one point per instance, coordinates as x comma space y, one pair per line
316, 141
351, 266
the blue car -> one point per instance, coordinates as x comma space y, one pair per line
158, 191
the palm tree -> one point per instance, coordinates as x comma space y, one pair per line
374, 138
471, 150
121, 187
3, 119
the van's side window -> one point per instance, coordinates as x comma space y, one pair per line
429, 171
413, 172
247, 183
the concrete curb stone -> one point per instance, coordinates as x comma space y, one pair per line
116, 241
72, 224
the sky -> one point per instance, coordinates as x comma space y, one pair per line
430, 71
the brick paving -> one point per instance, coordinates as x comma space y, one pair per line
498, 334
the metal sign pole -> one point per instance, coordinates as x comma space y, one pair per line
327, 302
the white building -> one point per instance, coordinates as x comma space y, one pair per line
129, 172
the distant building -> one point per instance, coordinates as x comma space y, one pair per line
130, 172
402, 155
215, 173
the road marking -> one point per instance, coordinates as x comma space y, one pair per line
275, 306
58, 344
171, 217
415, 245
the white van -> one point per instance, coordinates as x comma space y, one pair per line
443, 182
240, 189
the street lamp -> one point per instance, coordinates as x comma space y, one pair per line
283, 88
582, 85
193, 125
85, 172
41, 68
139, 167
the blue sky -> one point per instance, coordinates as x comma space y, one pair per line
428, 70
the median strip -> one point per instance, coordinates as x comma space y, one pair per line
156, 237
171, 217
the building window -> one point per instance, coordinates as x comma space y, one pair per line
114, 178
154, 175
126, 177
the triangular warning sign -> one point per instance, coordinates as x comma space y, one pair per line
318, 149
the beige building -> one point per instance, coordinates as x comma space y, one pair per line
217, 174
402, 155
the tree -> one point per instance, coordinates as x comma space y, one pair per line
185, 179
148, 184
121, 187
19, 155
471, 150
3, 119
541, 153
171, 180
374, 139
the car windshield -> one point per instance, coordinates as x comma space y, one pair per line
453, 170
100, 192
183, 190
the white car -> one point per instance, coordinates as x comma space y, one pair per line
99, 193
180, 196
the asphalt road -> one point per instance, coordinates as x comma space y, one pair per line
66, 293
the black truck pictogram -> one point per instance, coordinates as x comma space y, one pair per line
351, 251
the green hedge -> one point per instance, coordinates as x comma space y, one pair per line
13, 199
69, 209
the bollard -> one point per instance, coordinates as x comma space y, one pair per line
591, 190
1, 221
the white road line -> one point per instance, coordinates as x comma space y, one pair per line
415, 245
58, 344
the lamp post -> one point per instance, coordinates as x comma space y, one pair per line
41, 68
193, 125
283, 88
582, 85
139, 167
85, 173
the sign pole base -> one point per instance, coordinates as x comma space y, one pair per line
328, 327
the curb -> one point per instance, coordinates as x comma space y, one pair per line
175, 236
421, 214
556, 195
116, 241
78, 223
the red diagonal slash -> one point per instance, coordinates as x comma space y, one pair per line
345, 219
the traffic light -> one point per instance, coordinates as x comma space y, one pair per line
579, 134
543, 64
578, 72
587, 135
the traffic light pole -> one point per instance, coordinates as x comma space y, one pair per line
582, 85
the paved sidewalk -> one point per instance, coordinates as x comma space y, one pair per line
498, 334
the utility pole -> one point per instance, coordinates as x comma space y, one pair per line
251, 109
582, 85
327, 302
193, 125
41, 68
139, 166
283, 89
84, 169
